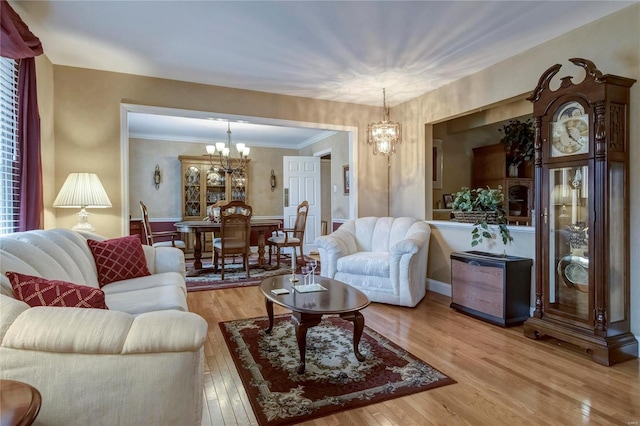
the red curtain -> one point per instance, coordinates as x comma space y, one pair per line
17, 42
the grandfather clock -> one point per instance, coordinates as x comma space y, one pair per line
582, 209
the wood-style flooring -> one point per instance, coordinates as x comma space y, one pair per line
503, 377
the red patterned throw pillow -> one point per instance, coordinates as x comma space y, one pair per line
119, 259
38, 291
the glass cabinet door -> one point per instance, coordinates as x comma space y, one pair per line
568, 262
239, 185
216, 185
192, 202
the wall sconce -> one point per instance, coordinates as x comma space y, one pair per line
273, 180
157, 177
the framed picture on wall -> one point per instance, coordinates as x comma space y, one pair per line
448, 200
345, 178
437, 164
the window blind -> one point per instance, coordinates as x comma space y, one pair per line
9, 149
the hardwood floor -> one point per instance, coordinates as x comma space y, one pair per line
503, 377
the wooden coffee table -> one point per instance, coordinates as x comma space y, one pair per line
307, 309
19, 401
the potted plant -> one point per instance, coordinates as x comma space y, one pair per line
482, 207
518, 139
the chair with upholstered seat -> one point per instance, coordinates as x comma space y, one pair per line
234, 235
213, 210
291, 237
149, 235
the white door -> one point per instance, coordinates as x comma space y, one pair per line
302, 182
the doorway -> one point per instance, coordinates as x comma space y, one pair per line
126, 109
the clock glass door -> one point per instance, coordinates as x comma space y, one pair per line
568, 262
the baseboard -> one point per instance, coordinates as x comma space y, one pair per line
439, 287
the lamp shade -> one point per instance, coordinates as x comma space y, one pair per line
82, 190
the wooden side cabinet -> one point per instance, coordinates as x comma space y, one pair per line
135, 228
491, 287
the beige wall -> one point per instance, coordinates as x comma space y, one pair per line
87, 121
612, 43
164, 203
87, 125
339, 146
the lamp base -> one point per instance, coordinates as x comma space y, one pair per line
83, 222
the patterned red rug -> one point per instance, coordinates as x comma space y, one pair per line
333, 380
235, 275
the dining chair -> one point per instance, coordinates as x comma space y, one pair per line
291, 237
149, 235
235, 232
213, 210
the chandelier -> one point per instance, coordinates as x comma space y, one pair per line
224, 160
385, 134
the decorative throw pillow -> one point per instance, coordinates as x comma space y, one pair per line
38, 291
119, 259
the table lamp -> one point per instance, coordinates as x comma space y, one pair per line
82, 190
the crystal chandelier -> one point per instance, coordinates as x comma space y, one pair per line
224, 160
385, 134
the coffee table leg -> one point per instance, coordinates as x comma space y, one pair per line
301, 336
358, 327
269, 305
302, 323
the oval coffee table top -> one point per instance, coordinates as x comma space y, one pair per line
338, 298
20, 403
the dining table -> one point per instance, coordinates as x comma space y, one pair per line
198, 227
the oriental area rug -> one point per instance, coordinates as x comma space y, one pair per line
234, 276
234, 273
333, 380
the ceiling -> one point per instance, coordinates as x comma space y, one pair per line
209, 131
341, 51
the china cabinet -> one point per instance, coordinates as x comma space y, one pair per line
582, 213
204, 184
490, 169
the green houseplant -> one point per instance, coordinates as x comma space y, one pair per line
518, 138
482, 207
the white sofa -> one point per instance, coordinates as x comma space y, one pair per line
138, 363
384, 257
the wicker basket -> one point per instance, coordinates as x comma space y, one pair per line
476, 216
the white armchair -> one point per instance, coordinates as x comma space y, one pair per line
385, 258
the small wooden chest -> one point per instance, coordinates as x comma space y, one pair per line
491, 287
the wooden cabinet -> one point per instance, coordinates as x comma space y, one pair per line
204, 184
490, 169
582, 214
135, 228
490, 287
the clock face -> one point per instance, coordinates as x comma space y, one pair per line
570, 130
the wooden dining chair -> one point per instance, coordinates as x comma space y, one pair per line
149, 235
235, 232
291, 237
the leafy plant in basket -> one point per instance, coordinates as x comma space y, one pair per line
482, 207
518, 138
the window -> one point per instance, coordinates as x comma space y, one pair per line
9, 150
